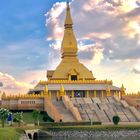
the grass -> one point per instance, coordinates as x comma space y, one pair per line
27, 117
9, 133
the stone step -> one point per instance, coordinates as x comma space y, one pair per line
104, 108
66, 114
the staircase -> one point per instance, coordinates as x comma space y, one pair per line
66, 114
103, 109
52, 110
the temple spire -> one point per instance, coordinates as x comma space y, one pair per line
69, 43
70, 67
68, 21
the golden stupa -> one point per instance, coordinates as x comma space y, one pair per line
76, 78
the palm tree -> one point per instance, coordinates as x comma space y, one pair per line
4, 113
35, 115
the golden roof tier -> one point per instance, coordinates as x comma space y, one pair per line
70, 68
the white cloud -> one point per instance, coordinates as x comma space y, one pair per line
91, 52
99, 35
136, 69
98, 56
55, 11
119, 72
11, 85
52, 17
132, 29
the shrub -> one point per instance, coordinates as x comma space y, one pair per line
18, 118
46, 118
116, 120
35, 115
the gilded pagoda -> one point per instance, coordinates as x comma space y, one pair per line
75, 78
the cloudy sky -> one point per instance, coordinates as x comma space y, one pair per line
107, 32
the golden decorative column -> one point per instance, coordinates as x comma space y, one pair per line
46, 91
102, 93
95, 93
50, 94
87, 93
57, 94
62, 91
122, 90
108, 93
72, 94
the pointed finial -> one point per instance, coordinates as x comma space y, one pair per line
68, 20
67, 1
122, 88
3, 95
68, 6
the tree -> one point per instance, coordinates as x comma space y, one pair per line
116, 120
4, 113
18, 117
35, 115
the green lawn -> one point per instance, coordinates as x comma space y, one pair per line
9, 133
27, 117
